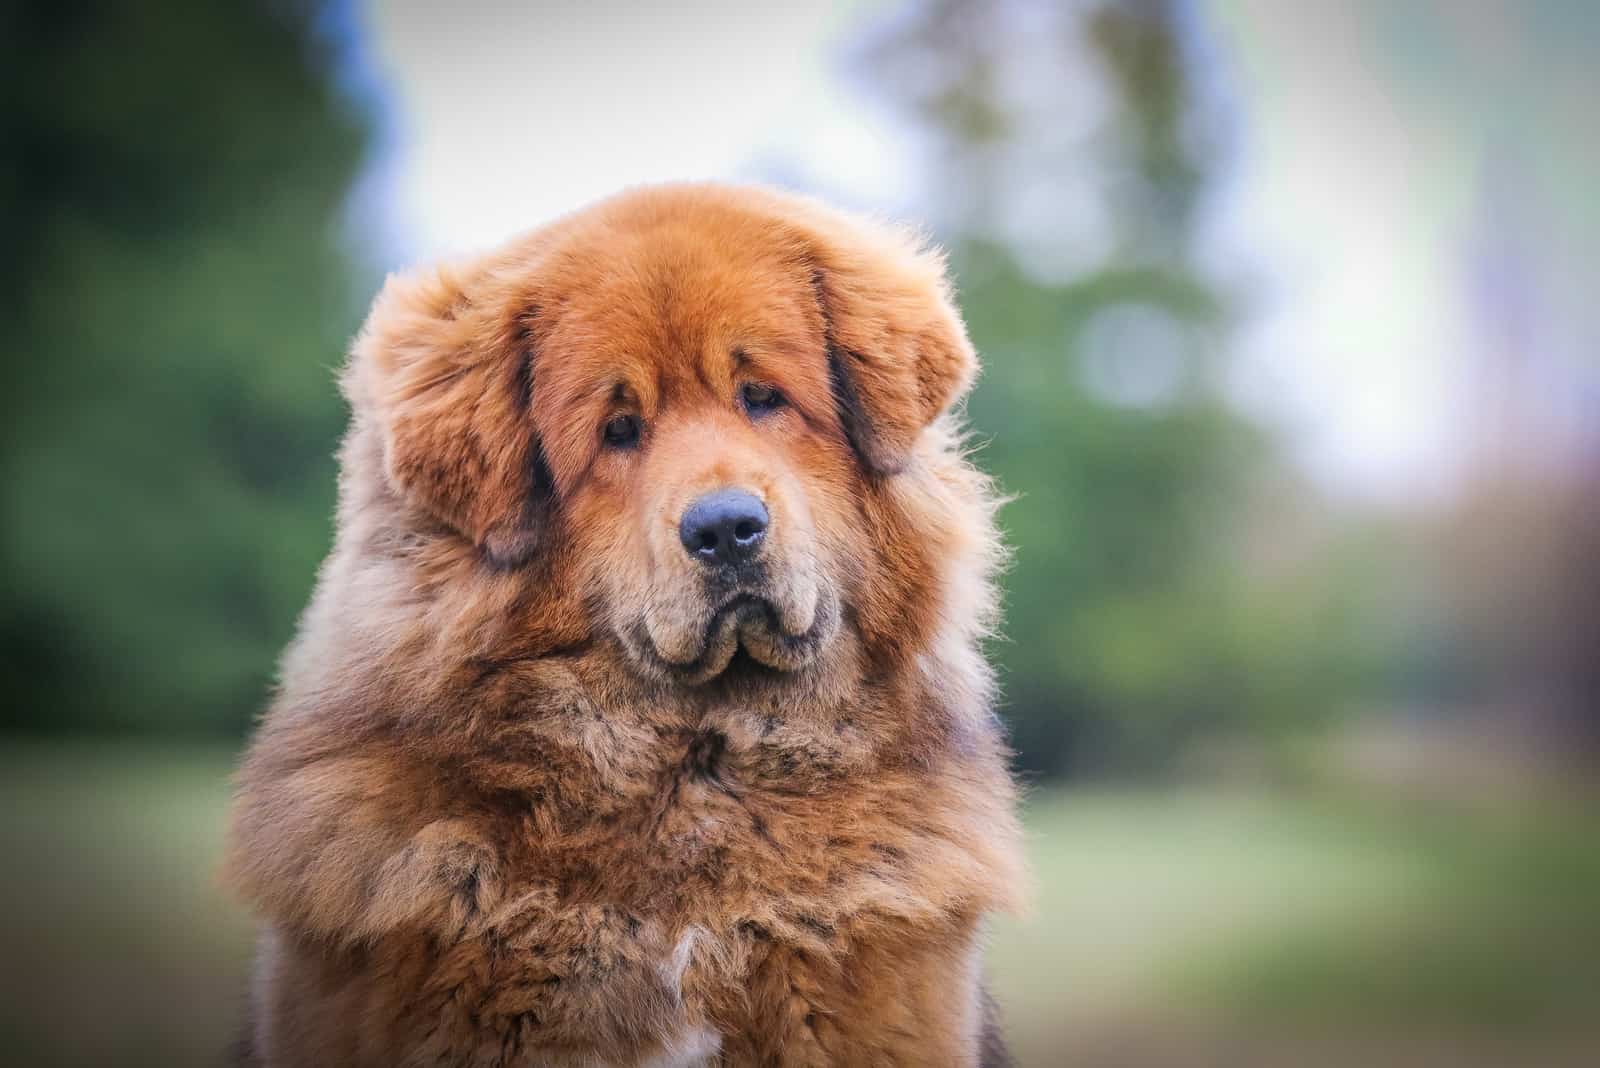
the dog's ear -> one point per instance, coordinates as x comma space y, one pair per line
444, 366
897, 350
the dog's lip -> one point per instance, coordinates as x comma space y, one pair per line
723, 629
737, 603
740, 600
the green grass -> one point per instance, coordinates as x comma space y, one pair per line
1190, 927
119, 947
1208, 927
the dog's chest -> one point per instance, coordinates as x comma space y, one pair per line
702, 860
693, 817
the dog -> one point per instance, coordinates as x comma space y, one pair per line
640, 715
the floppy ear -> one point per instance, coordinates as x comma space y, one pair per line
444, 365
898, 352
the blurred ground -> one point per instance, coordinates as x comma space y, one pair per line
1186, 926
119, 947
1201, 926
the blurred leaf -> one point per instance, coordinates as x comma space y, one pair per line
178, 175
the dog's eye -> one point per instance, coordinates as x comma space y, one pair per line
759, 400
622, 431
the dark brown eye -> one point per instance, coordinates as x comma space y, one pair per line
622, 432
759, 400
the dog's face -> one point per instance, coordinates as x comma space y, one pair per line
691, 435
699, 398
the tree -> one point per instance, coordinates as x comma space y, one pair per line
1071, 157
178, 299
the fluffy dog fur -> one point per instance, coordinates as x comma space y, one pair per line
539, 790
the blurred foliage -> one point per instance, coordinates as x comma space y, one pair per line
176, 178
1135, 618
182, 296
177, 299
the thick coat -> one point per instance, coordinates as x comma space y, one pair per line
538, 787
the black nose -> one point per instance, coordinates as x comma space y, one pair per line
724, 527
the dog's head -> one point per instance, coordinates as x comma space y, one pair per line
713, 403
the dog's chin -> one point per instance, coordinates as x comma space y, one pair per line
746, 636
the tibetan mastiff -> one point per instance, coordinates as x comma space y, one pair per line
640, 715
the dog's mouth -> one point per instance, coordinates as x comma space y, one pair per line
746, 627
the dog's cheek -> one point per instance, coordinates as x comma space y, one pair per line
607, 556
897, 609
840, 542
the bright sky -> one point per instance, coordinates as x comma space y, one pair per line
514, 113
1348, 205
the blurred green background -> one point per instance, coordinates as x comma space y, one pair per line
1290, 361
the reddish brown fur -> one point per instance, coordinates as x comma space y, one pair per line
515, 803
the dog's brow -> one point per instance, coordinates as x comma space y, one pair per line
702, 372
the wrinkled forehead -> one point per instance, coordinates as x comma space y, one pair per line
671, 318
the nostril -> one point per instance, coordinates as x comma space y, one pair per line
724, 527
